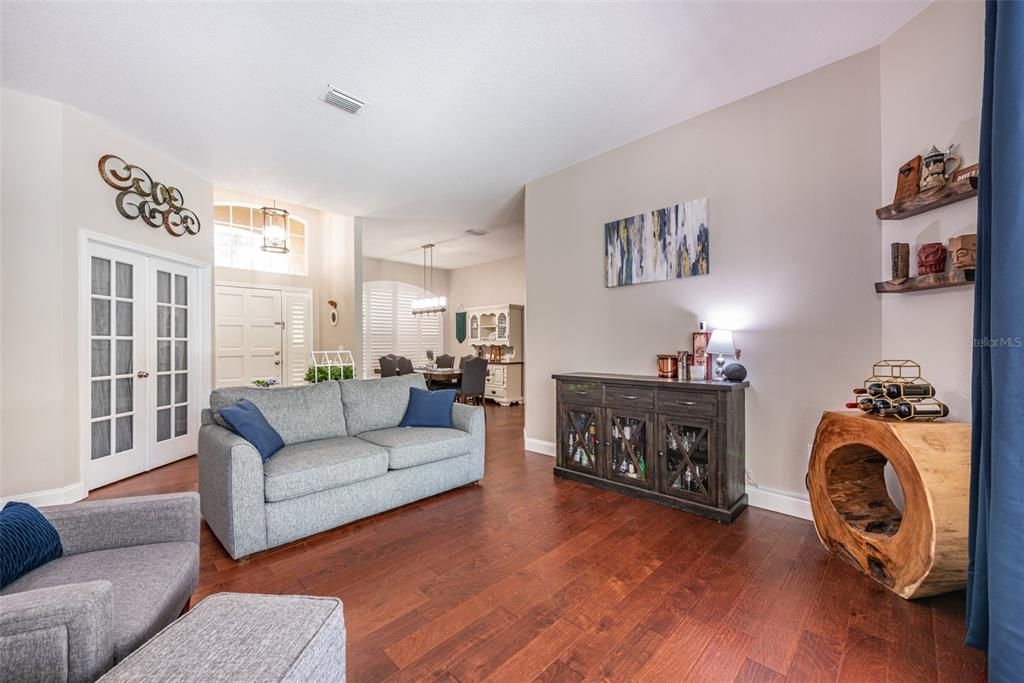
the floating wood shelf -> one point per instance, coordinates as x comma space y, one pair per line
927, 201
954, 278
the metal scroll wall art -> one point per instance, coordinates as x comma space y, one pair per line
140, 196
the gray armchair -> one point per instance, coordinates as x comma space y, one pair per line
129, 567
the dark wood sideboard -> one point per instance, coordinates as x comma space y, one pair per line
669, 441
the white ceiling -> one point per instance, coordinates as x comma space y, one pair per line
467, 102
400, 240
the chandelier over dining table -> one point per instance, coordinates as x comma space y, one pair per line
429, 304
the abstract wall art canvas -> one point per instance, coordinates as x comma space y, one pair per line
665, 244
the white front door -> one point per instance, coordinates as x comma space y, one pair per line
141, 396
262, 333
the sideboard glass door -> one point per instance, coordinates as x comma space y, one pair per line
580, 439
687, 471
628, 446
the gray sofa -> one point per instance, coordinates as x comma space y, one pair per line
129, 567
345, 458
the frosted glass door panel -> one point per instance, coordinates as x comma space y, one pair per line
115, 346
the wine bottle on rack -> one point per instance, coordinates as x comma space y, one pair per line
875, 389
884, 407
860, 390
906, 410
902, 390
864, 402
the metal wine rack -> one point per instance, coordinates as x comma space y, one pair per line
886, 372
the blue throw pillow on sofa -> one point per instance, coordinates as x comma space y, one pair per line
429, 408
27, 541
248, 422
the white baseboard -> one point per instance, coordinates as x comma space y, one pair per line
539, 446
65, 494
784, 502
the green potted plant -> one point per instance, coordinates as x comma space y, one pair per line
323, 373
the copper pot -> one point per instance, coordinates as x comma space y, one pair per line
668, 364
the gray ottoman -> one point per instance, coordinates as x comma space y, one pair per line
244, 637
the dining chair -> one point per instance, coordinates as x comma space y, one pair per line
445, 361
462, 361
405, 366
388, 366
474, 378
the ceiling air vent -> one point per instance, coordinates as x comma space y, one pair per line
342, 100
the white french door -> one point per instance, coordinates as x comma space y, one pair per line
117, 354
262, 333
173, 406
142, 392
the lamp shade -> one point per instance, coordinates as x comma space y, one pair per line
721, 342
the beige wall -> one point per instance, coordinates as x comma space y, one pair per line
330, 267
791, 174
393, 271
495, 282
932, 97
341, 281
51, 193
34, 449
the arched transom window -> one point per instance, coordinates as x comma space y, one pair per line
238, 236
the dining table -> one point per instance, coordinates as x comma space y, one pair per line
440, 377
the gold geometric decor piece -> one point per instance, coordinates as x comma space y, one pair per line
140, 196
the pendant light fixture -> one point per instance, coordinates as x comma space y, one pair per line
275, 229
430, 304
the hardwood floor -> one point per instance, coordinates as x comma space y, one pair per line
528, 577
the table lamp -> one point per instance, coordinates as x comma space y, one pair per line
721, 345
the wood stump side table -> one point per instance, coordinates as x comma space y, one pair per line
920, 551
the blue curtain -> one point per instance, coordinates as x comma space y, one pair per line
995, 584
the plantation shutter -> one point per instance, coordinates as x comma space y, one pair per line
298, 312
390, 327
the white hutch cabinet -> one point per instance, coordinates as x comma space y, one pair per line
496, 332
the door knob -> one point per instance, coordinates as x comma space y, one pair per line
277, 362
142, 374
